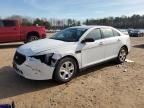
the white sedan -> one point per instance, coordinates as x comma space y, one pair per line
61, 56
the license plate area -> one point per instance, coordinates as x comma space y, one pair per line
16, 68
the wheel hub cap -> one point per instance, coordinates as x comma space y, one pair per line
66, 70
122, 55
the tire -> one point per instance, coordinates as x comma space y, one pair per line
32, 38
65, 70
122, 55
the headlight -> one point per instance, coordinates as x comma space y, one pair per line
47, 59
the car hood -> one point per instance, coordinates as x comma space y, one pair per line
36, 47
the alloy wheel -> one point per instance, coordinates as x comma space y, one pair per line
66, 70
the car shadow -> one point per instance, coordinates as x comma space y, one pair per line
12, 84
139, 46
4, 46
96, 67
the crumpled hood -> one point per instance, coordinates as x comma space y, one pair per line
42, 45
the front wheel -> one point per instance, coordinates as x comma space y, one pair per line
65, 70
122, 55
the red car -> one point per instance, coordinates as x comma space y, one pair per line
12, 31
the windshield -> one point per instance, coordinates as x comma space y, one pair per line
69, 35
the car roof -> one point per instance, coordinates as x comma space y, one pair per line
92, 26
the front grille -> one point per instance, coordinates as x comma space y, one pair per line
19, 58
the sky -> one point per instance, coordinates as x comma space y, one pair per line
77, 9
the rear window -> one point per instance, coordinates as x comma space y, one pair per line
9, 23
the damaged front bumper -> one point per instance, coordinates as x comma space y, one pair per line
34, 69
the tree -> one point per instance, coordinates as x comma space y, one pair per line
70, 22
41, 22
135, 21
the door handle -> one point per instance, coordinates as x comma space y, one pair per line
101, 43
118, 40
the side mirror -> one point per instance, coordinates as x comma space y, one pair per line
87, 40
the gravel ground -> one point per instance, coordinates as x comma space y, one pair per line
103, 86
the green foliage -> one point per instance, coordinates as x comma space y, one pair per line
41, 22
25, 21
72, 22
135, 21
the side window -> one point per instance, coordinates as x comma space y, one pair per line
95, 34
116, 33
107, 32
9, 23
1, 24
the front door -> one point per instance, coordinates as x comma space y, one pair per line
93, 52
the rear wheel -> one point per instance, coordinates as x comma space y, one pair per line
65, 70
122, 55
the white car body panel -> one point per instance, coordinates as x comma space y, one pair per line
90, 53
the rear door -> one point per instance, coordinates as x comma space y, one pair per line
110, 43
118, 36
9, 31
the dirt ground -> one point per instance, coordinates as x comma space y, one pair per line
103, 86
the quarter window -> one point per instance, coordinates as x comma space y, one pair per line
94, 34
107, 33
116, 33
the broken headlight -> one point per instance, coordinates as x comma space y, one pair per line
47, 59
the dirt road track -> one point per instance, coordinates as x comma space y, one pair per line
103, 86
